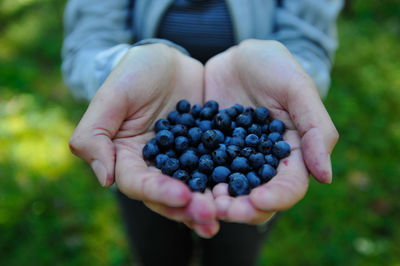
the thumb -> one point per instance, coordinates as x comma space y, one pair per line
92, 139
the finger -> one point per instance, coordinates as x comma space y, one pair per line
317, 131
288, 186
92, 139
204, 230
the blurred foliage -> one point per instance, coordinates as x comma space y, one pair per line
52, 211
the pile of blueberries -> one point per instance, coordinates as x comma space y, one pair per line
204, 146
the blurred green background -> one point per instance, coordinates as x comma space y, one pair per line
53, 212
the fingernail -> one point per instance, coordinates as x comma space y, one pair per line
207, 230
100, 171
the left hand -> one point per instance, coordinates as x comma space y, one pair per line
264, 73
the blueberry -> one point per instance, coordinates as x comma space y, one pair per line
165, 138
220, 174
233, 125
233, 151
232, 112
162, 124
169, 166
239, 108
170, 153
196, 109
266, 173
197, 184
209, 139
255, 129
281, 149
183, 106
227, 140
248, 110
179, 130
265, 146
160, 159
153, 141
239, 132
219, 156
186, 119
222, 146
194, 135
212, 104
261, 115
205, 125
238, 185
252, 140
277, 126
271, 160
247, 151
181, 175
240, 164
189, 160
257, 159
220, 136
237, 142
173, 116
201, 149
181, 143
254, 180
150, 150
222, 121
265, 128
244, 120
206, 164
275, 137
207, 113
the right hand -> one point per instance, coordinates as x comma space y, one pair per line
144, 87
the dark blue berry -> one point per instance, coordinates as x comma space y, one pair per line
212, 104
181, 143
256, 160
205, 125
222, 121
160, 159
244, 120
162, 124
186, 119
240, 164
173, 116
281, 149
239, 108
238, 185
266, 173
189, 160
196, 109
232, 112
247, 151
233, 151
153, 141
233, 125
169, 166
183, 106
261, 115
165, 138
206, 164
222, 146
170, 153
179, 130
255, 129
254, 180
265, 146
197, 184
237, 141
239, 132
271, 160
210, 139
265, 128
220, 174
181, 175
220, 136
249, 110
219, 156
194, 135
207, 113
252, 140
227, 140
275, 137
201, 149
277, 126
150, 150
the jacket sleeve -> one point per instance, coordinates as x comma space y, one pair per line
97, 36
308, 29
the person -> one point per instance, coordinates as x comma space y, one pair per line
135, 59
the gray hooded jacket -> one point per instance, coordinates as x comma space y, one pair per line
97, 34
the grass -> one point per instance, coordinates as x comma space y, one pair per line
53, 210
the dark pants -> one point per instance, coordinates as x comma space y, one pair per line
159, 241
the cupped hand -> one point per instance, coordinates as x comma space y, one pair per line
264, 73
144, 86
